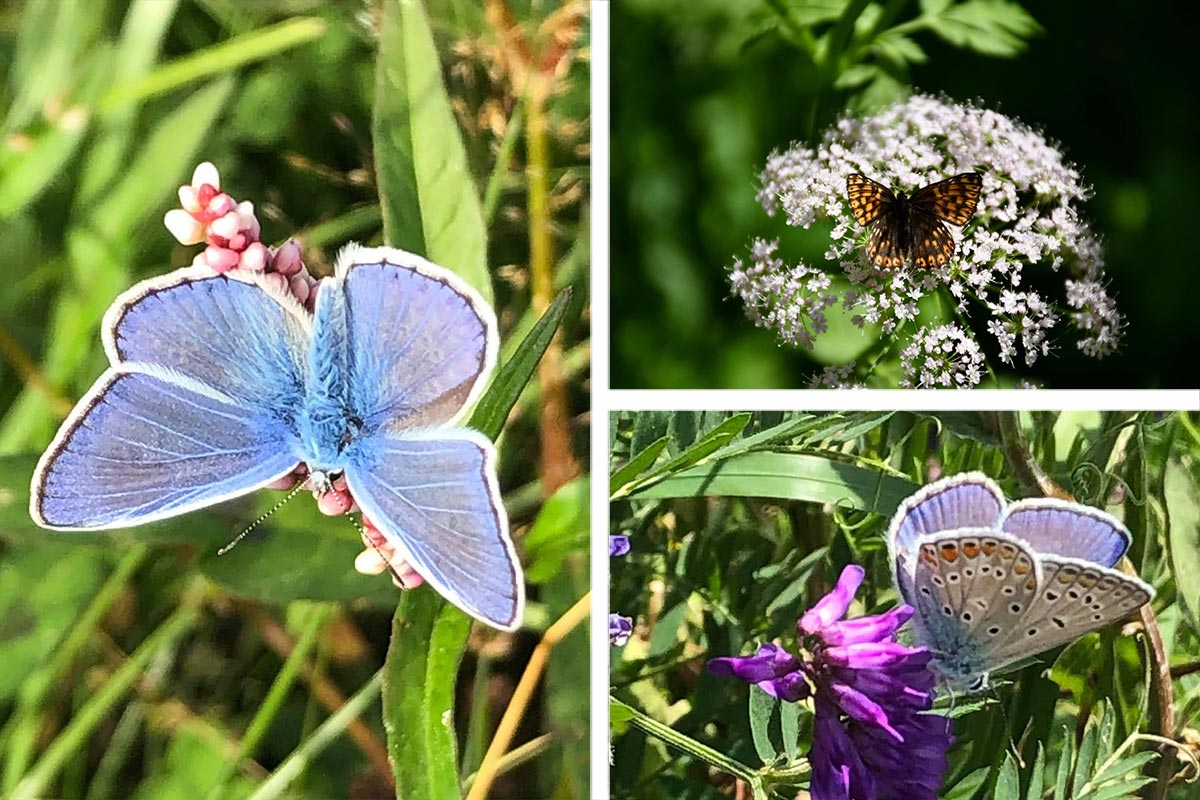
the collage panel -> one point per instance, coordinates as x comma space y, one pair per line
294, 400
940, 194
903, 604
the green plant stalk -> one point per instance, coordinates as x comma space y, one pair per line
34, 691
276, 696
495, 184
224, 57
517, 756
558, 464
120, 746
329, 730
689, 745
73, 738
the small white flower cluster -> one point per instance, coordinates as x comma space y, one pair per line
1028, 215
792, 300
836, 378
942, 357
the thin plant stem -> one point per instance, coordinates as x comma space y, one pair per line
31, 375
325, 734
490, 768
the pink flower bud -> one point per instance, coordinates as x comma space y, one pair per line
206, 172
299, 287
189, 199
254, 257
221, 259
288, 258
183, 226
225, 226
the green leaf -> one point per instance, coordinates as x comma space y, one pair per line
636, 465
991, 27
560, 530
429, 637
1086, 758
491, 411
1117, 770
792, 476
708, 444
856, 76
430, 204
814, 12
1038, 776
1064, 765
761, 708
789, 727
1008, 782
966, 788
28, 173
1183, 533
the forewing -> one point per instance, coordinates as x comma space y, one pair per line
422, 343
236, 336
953, 199
868, 199
434, 495
971, 588
1068, 529
930, 243
146, 445
1075, 598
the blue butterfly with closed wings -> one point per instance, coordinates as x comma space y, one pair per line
220, 384
994, 583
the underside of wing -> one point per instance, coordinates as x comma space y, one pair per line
1074, 598
421, 342
434, 496
145, 444
238, 336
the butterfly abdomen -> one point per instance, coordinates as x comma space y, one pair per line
901, 220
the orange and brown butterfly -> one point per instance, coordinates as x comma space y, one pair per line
910, 227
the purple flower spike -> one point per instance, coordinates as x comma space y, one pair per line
618, 545
871, 739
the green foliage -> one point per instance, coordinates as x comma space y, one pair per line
726, 568
143, 665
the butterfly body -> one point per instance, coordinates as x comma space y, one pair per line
908, 228
222, 384
994, 583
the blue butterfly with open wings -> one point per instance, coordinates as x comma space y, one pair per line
220, 384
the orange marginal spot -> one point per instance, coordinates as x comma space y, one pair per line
970, 549
1087, 580
989, 547
1021, 567
1008, 552
1063, 577
950, 552
1030, 584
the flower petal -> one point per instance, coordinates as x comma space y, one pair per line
833, 606
867, 629
769, 663
183, 226
618, 545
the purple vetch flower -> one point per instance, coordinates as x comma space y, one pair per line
1029, 218
619, 629
618, 545
872, 739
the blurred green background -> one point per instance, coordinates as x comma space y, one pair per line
695, 114
137, 663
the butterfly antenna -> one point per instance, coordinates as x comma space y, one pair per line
261, 519
363, 533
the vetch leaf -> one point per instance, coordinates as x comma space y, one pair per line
1183, 533
560, 529
793, 476
427, 644
492, 409
761, 708
1008, 782
430, 204
636, 465
708, 444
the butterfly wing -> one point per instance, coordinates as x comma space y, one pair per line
1073, 530
145, 444
434, 495
422, 343
234, 334
930, 244
195, 410
953, 199
868, 200
883, 248
971, 587
1074, 598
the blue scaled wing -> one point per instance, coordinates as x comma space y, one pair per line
1073, 530
421, 342
434, 496
235, 334
145, 444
